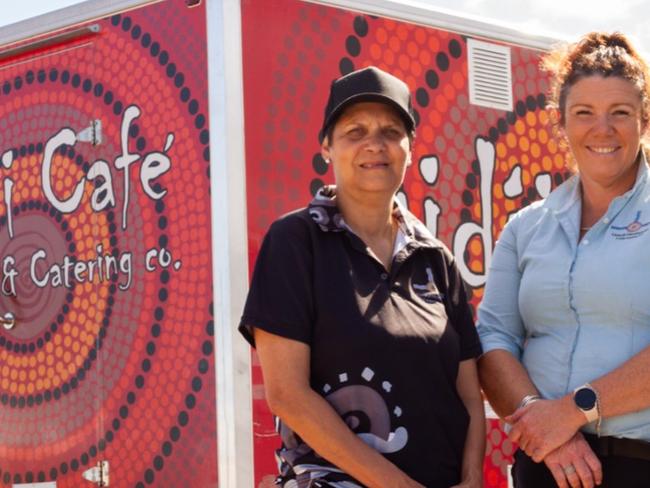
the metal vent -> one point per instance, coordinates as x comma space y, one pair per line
490, 75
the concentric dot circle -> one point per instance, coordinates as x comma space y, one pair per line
39, 390
31, 314
98, 91
27, 171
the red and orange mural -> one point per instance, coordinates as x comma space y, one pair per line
105, 256
105, 247
472, 166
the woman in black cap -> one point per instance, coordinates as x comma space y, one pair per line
360, 317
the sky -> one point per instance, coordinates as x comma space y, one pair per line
29, 8
558, 18
567, 19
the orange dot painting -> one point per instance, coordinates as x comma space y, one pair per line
474, 147
106, 246
90, 244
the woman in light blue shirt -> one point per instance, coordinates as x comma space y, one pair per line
565, 320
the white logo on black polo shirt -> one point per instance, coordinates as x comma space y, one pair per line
428, 291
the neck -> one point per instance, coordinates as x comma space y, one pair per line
594, 207
370, 216
596, 198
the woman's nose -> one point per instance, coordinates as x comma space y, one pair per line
375, 140
604, 123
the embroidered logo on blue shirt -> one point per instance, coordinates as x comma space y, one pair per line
632, 230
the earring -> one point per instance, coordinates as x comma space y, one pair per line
327, 161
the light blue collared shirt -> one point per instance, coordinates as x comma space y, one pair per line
572, 311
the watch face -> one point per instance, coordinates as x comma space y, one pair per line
585, 398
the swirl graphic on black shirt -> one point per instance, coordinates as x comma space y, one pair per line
365, 410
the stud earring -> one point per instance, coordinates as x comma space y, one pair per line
327, 161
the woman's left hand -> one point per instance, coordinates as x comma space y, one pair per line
575, 464
544, 425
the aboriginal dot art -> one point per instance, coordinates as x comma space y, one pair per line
472, 166
106, 256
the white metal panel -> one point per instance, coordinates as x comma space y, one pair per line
489, 411
66, 17
46, 484
229, 243
425, 14
490, 75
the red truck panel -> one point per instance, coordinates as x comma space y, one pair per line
117, 367
292, 52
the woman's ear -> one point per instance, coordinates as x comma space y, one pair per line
557, 123
325, 151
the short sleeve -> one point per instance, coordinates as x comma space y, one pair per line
499, 321
460, 313
280, 296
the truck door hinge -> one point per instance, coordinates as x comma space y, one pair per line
97, 474
92, 133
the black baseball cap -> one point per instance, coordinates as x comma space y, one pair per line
368, 85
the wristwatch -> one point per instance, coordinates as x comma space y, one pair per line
586, 399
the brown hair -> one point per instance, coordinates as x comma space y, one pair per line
599, 54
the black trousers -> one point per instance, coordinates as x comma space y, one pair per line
618, 472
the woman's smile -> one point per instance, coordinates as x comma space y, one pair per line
604, 128
374, 165
369, 150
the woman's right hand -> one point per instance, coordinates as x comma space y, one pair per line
543, 426
576, 457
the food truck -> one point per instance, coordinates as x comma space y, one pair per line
146, 146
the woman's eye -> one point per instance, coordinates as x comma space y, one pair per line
621, 113
355, 132
393, 132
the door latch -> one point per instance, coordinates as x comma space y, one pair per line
92, 133
97, 474
8, 321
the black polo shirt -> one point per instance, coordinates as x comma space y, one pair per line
385, 346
